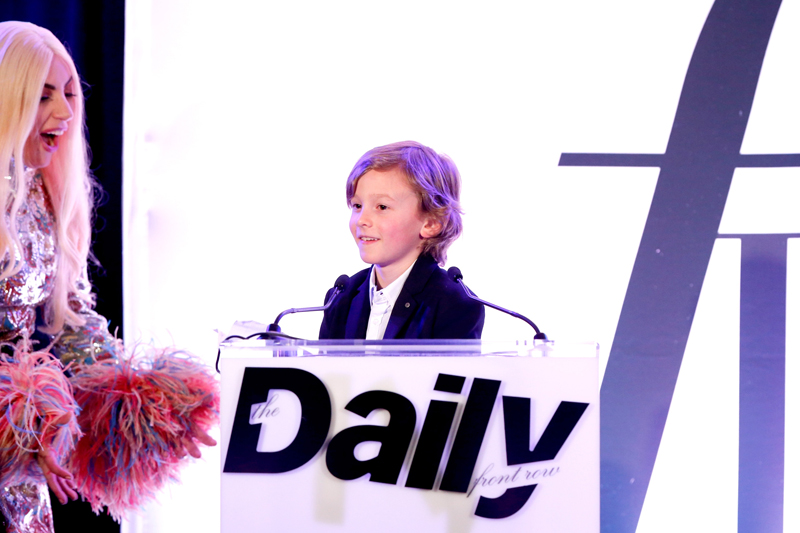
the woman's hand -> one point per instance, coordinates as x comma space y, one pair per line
190, 446
58, 479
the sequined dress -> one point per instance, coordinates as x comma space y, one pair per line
26, 507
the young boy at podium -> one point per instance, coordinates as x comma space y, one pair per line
405, 214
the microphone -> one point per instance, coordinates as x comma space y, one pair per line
455, 274
338, 287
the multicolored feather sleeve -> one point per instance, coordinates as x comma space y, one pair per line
137, 414
37, 409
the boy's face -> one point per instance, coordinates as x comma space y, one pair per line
387, 223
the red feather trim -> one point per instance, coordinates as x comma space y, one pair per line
137, 414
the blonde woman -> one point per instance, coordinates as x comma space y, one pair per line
45, 298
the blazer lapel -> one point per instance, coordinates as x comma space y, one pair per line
356, 327
403, 310
407, 304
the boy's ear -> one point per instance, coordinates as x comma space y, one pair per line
432, 228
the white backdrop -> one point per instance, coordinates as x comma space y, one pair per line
243, 120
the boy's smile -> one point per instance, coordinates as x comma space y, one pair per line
387, 223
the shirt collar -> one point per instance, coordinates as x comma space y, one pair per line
391, 291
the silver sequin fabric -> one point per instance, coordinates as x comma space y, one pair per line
27, 508
21, 293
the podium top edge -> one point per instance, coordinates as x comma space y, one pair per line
412, 348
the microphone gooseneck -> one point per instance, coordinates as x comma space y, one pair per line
338, 286
274, 330
454, 273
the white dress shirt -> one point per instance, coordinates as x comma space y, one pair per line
382, 302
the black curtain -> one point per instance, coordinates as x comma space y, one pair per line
94, 33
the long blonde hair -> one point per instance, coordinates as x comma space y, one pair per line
26, 53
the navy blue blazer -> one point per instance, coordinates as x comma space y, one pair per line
430, 306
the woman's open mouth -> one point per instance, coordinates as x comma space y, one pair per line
50, 138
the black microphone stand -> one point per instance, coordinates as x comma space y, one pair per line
274, 330
338, 287
455, 275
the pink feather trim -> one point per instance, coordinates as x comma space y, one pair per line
137, 414
36, 409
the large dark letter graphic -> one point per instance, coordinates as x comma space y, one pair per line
505, 505
433, 437
469, 437
431, 445
517, 424
762, 380
314, 425
682, 225
517, 420
394, 438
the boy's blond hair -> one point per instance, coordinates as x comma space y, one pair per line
435, 179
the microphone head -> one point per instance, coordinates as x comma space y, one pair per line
454, 273
341, 282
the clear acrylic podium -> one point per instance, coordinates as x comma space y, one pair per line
409, 435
